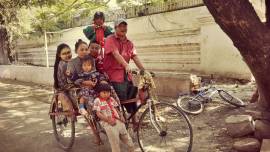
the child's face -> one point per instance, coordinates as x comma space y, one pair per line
87, 67
99, 21
105, 94
94, 49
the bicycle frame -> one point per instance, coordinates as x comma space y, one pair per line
153, 121
208, 92
150, 102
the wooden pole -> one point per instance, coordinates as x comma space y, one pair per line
46, 49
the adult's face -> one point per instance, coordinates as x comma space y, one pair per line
121, 29
65, 54
82, 50
99, 21
94, 49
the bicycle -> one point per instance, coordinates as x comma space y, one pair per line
162, 126
194, 104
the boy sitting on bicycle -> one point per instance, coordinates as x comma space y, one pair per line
111, 120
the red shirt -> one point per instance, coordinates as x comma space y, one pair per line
126, 49
100, 35
99, 64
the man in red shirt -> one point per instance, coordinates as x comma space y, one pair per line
119, 50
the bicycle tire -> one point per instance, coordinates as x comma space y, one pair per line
183, 102
231, 99
177, 140
71, 120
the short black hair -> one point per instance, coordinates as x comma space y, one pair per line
103, 87
93, 41
98, 15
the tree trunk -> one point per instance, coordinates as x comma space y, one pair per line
238, 19
267, 13
4, 46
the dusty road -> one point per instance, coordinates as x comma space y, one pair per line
26, 127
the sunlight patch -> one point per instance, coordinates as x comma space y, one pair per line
16, 113
212, 108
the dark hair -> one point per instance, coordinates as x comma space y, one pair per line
60, 47
98, 15
93, 41
78, 43
103, 87
87, 60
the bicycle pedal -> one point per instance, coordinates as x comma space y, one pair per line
60, 123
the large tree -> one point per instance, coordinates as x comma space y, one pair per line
238, 19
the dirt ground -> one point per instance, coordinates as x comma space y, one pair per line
25, 125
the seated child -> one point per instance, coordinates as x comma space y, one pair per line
111, 120
87, 93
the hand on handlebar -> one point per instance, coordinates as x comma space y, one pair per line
128, 69
142, 72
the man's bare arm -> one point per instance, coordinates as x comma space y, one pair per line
138, 62
121, 60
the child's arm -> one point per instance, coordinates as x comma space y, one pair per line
102, 117
78, 82
116, 111
89, 82
119, 115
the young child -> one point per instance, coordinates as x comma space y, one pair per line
111, 121
87, 92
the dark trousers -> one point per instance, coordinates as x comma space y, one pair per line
126, 90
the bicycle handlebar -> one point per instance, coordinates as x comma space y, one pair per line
141, 72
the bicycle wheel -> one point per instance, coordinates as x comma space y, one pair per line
175, 130
63, 128
231, 99
190, 104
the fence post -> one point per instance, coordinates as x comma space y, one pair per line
46, 49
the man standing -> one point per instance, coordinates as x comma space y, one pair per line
119, 50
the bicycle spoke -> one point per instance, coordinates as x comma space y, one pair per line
64, 130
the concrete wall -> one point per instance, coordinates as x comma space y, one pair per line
40, 75
180, 41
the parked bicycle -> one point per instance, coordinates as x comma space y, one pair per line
162, 126
194, 103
